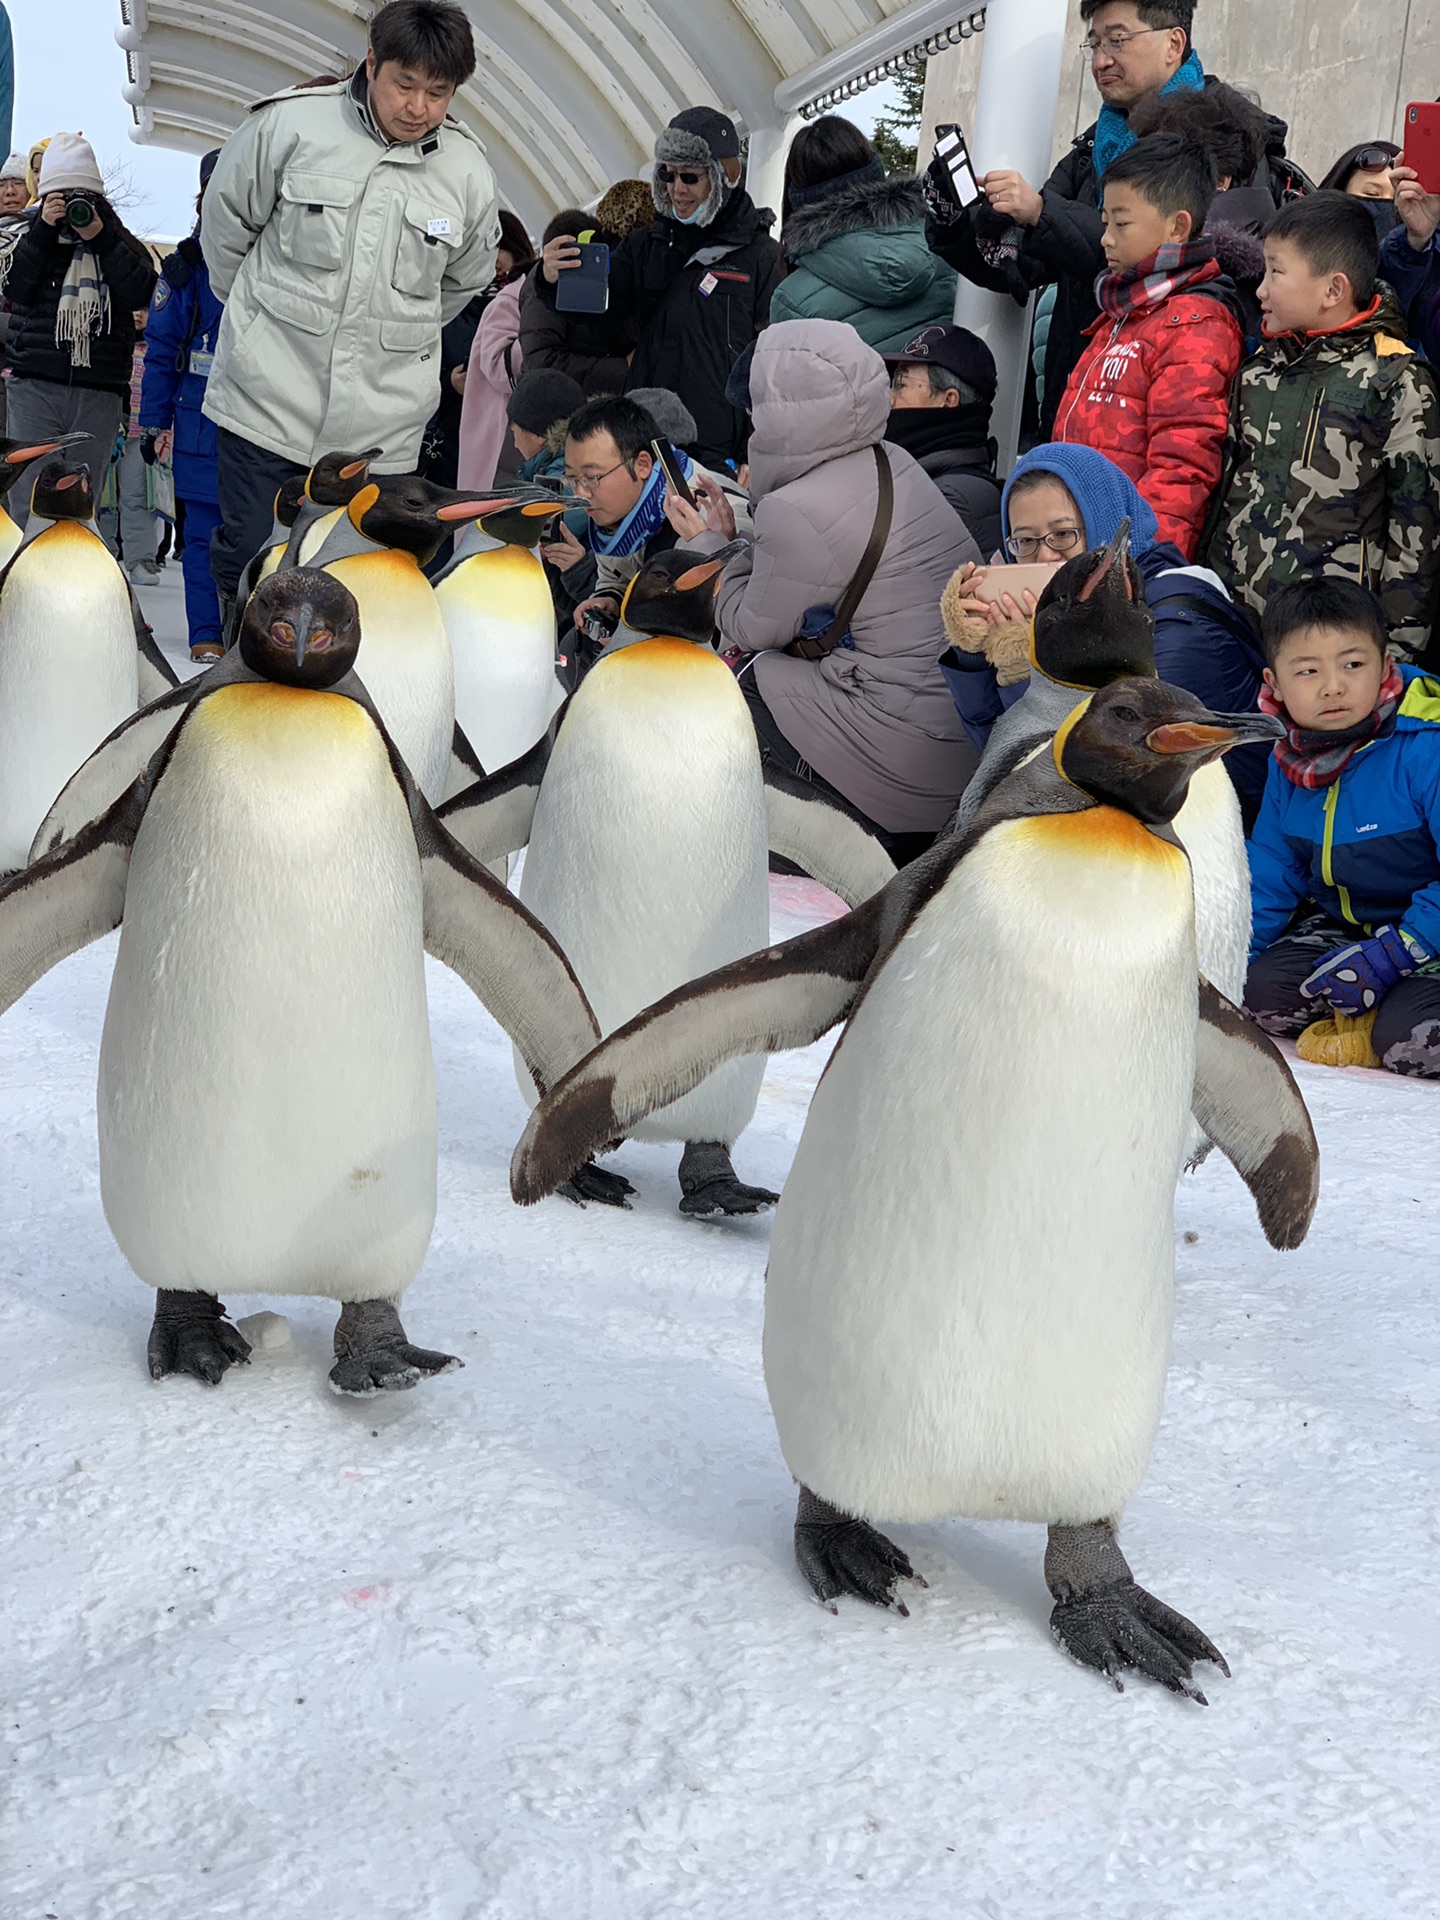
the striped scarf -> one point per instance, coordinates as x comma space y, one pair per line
1125, 290
1312, 759
82, 312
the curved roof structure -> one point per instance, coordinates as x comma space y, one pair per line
568, 95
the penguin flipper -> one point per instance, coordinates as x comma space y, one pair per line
781, 997
503, 954
493, 816
465, 767
73, 896
115, 763
1247, 1101
157, 676
828, 839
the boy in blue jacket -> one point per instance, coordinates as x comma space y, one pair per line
179, 353
1344, 864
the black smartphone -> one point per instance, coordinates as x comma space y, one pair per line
952, 170
665, 458
586, 288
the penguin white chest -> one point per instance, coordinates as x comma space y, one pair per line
1209, 828
405, 660
501, 622
68, 672
648, 855
968, 1305
267, 1096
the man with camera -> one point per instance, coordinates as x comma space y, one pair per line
74, 282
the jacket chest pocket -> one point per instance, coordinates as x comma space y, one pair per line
428, 237
314, 218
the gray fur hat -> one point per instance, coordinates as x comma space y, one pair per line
700, 137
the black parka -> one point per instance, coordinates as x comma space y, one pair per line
37, 273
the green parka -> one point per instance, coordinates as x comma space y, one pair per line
859, 255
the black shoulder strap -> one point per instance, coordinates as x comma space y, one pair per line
870, 559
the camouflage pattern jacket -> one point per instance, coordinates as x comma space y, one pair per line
1331, 466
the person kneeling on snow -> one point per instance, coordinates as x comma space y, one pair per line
1344, 863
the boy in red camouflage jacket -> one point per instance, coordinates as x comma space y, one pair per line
1152, 390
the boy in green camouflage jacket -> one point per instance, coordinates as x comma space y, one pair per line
1334, 443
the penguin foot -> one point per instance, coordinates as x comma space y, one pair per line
709, 1184
839, 1554
1105, 1620
372, 1354
190, 1334
596, 1183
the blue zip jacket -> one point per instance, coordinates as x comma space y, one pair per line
1416, 280
1365, 848
172, 390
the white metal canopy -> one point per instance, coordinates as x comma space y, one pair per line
568, 95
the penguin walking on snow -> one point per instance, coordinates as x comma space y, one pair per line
648, 823
15, 455
76, 657
267, 1096
1092, 626
1024, 995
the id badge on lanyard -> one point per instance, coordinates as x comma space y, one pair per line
201, 363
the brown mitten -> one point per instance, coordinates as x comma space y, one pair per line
1007, 648
962, 629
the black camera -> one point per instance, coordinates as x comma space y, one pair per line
79, 212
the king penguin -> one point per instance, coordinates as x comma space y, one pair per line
1092, 626
496, 605
76, 657
1024, 1000
266, 1097
14, 455
307, 505
648, 829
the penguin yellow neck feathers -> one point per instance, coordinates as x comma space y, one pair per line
1062, 734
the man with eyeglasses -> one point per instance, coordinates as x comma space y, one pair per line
689, 292
1019, 239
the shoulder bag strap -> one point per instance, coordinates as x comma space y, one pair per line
865, 572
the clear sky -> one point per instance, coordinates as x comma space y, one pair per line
68, 74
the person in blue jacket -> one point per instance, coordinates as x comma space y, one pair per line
1059, 501
1344, 862
179, 352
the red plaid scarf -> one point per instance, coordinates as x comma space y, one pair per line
1124, 290
1309, 758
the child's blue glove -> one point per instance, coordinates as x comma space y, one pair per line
1355, 979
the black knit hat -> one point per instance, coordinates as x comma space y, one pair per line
207, 165
955, 349
711, 126
542, 398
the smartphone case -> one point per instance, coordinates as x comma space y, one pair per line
1422, 142
586, 288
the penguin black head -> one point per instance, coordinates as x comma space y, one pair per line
336, 478
288, 499
1136, 743
1092, 624
301, 629
674, 594
15, 454
63, 492
523, 519
404, 511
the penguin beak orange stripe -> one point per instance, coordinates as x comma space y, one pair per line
1189, 736
17, 456
355, 466
697, 576
473, 509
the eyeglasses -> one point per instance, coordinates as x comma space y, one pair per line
587, 483
1025, 546
1115, 43
667, 176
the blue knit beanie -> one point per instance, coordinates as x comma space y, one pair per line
1104, 495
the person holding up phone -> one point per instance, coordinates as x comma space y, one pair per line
1409, 259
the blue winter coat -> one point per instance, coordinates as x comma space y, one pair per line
179, 351
1365, 848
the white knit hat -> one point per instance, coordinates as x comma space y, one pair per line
15, 168
69, 167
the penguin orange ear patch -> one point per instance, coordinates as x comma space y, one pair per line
362, 503
697, 576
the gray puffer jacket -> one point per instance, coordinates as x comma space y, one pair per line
877, 721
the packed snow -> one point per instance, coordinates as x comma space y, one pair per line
529, 1640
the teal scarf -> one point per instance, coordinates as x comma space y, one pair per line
1112, 130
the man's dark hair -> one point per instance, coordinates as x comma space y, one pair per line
627, 424
1322, 601
569, 221
1155, 13
1233, 128
430, 36
1174, 174
1333, 233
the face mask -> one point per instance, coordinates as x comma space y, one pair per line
690, 218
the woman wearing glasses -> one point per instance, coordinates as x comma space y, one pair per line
1063, 500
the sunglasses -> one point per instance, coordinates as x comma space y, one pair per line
686, 176
1373, 160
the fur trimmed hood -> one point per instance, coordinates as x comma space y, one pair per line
1240, 255
868, 205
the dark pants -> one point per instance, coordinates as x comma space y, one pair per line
202, 603
248, 479
1407, 1027
774, 747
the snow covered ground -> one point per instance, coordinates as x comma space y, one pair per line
529, 1642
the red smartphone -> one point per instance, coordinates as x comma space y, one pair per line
1422, 142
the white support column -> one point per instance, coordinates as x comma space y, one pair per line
1022, 50
765, 165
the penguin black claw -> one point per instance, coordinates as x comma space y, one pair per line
1126, 1627
374, 1356
709, 1183
190, 1334
839, 1554
599, 1184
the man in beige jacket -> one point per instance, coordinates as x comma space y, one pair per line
343, 226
